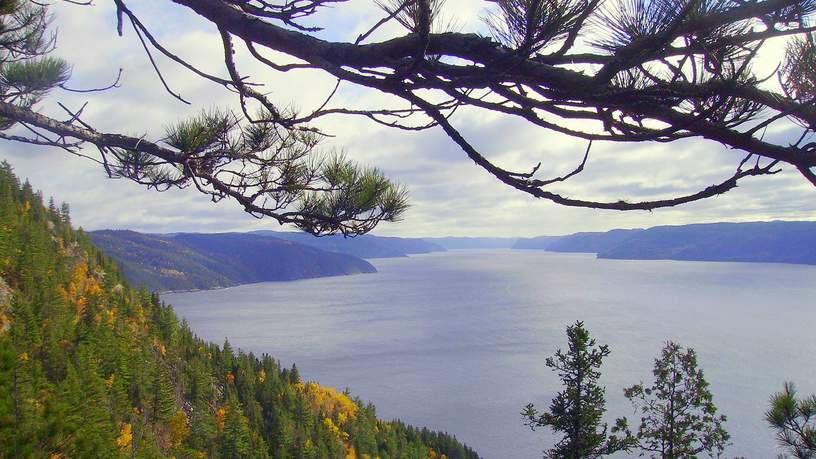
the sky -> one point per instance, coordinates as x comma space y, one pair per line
449, 195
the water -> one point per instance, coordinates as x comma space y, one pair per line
457, 341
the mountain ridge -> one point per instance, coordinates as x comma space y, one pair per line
778, 241
194, 261
365, 246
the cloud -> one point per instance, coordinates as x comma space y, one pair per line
449, 194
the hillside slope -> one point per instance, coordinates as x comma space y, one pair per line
90, 367
187, 261
762, 242
459, 243
591, 242
365, 246
766, 242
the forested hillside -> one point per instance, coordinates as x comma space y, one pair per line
590, 242
365, 246
762, 242
765, 242
90, 367
186, 261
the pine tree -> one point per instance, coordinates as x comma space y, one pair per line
679, 416
163, 400
577, 410
794, 420
65, 214
86, 420
90, 367
294, 375
8, 424
235, 442
8, 218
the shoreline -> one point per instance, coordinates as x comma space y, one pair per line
191, 290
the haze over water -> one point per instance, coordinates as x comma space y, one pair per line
456, 341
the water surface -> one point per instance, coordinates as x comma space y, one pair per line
456, 341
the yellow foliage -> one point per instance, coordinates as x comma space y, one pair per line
261, 376
329, 401
172, 273
5, 308
125, 437
77, 281
157, 345
139, 314
80, 305
36, 404
109, 381
56, 456
179, 430
134, 328
220, 416
334, 429
351, 453
81, 287
5, 323
23, 357
93, 288
111, 316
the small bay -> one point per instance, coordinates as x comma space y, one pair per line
456, 341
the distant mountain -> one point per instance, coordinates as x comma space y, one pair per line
538, 243
591, 242
452, 243
766, 242
185, 261
366, 246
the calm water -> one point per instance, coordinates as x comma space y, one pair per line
457, 341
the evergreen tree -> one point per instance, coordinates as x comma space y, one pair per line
235, 441
65, 214
620, 71
578, 409
794, 420
294, 375
90, 367
87, 422
163, 400
679, 419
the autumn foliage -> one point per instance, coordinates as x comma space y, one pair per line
90, 367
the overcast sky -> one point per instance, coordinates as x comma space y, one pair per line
449, 194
